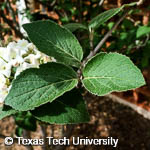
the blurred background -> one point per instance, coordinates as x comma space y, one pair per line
131, 38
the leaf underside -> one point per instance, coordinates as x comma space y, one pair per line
35, 87
106, 73
56, 41
103, 17
75, 26
106, 15
67, 109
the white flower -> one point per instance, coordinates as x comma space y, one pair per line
16, 62
45, 59
18, 49
3, 88
31, 46
2, 80
32, 59
22, 46
12, 51
22, 55
3, 53
3, 92
5, 68
3, 95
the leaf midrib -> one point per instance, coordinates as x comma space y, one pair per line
43, 87
97, 77
58, 47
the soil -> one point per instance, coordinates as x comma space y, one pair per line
108, 119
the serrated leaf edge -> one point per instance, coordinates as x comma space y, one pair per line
66, 122
78, 60
46, 101
112, 90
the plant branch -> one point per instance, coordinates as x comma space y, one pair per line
100, 44
140, 110
107, 35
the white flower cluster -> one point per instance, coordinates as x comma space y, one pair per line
15, 58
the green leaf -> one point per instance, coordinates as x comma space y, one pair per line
103, 17
6, 111
26, 121
106, 15
67, 109
35, 87
75, 26
55, 40
106, 73
19, 131
142, 30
